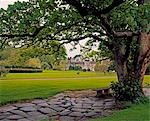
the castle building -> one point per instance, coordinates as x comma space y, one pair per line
79, 61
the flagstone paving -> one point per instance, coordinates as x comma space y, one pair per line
77, 106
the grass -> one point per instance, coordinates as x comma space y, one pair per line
17, 87
135, 113
56, 74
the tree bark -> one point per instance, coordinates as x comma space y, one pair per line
131, 78
121, 66
143, 59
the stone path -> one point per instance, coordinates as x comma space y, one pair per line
77, 106
68, 106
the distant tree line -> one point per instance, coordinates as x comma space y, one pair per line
34, 57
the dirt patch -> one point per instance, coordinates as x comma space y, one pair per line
82, 93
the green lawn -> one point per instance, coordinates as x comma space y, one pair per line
56, 74
16, 87
135, 113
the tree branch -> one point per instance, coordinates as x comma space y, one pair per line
91, 10
74, 40
108, 44
126, 34
128, 47
35, 33
106, 58
114, 4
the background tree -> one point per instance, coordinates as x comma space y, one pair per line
34, 57
122, 26
33, 62
11, 58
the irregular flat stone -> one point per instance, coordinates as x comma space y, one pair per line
78, 110
109, 103
89, 102
108, 107
56, 108
18, 112
49, 111
73, 102
63, 101
35, 113
59, 96
86, 106
6, 114
66, 118
7, 120
108, 100
28, 109
77, 106
90, 114
38, 101
24, 104
97, 109
54, 118
23, 119
2, 117
82, 119
41, 117
7, 108
43, 104
98, 104
66, 105
55, 103
73, 99
65, 112
80, 102
14, 117
76, 114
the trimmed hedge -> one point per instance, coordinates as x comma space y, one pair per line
24, 70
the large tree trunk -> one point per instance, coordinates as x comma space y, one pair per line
143, 59
121, 66
131, 77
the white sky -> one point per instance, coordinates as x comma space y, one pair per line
4, 4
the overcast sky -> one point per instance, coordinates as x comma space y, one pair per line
4, 4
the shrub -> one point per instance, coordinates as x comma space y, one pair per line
71, 68
62, 65
46, 66
88, 69
84, 70
111, 67
34, 63
77, 68
25, 70
3, 71
101, 67
127, 91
